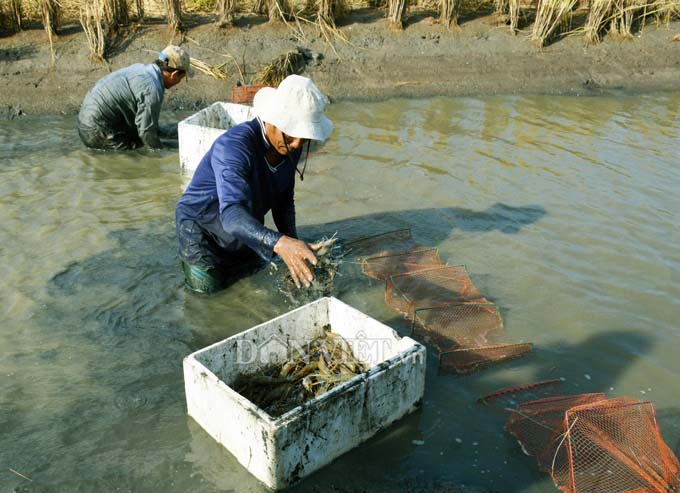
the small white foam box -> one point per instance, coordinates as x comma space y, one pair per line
281, 451
197, 132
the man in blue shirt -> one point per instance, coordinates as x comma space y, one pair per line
121, 111
249, 171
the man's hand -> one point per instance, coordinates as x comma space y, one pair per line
296, 254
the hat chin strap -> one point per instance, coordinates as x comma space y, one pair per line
304, 167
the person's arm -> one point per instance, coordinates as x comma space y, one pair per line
231, 163
146, 120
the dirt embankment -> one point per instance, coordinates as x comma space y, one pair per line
479, 58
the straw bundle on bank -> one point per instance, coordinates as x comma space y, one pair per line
509, 8
215, 71
139, 6
287, 64
92, 19
277, 10
225, 12
600, 10
50, 15
259, 7
15, 14
117, 13
328, 11
551, 16
665, 10
623, 16
174, 10
396, 10
449, 11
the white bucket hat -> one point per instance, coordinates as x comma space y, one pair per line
295, 107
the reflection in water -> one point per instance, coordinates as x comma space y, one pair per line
563, 210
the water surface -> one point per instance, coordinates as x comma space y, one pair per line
563, 209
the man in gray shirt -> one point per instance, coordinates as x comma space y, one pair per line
121, 111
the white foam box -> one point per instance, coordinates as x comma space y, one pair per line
197, 132
281, 451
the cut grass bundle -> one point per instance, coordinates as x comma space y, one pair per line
215, 71
551, 16
449, 11
509, 8
396, 10
600, 10
174, 13
328, 11
50, 15
287, 64
278, 10
16, 14
117, 13
139, 5
665, 10
624, 14
225, 12
92, 19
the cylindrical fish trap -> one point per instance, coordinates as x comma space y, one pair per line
467, 360
383, 266
615, 445
430, 287
539, 428
458, 325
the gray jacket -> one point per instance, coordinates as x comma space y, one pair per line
126, 102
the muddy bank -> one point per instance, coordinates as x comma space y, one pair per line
479, 58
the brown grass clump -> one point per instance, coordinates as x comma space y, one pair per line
511, 9
449, 11
396, 10
287, 64
551, 17
600, 10
139, 7
225, 12
92, 15
215, 71
174, 13
328, 11
51, 17
117, 13
16, 14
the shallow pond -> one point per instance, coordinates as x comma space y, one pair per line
563, 209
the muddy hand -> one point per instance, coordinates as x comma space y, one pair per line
296, 254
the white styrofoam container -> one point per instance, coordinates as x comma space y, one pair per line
281, 451
197, 132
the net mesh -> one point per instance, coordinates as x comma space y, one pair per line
399, 240
539, 427
458, 325
383, 266
430, 287
616, 445
466, 360
590, 444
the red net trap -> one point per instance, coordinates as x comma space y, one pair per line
591, 444
445, 307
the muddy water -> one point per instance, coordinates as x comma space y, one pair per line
565, 211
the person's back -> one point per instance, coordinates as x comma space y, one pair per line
122, 110
125, 104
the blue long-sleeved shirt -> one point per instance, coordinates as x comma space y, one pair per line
234, 184
128, 100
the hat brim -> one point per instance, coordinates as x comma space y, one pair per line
265, 107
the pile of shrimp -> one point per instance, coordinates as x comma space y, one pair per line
323, 364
